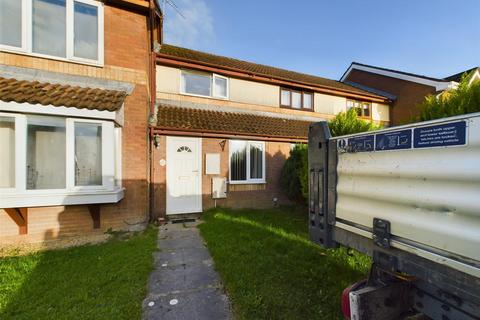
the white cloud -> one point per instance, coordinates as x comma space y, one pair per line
192, 31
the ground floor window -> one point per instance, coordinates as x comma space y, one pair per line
44, 155
247, 161
7, 155
46, 152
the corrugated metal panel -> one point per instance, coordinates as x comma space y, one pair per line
431, 196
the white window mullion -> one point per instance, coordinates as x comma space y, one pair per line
264, 171
108, 152
20, 153
118, 156
100, 34
69, 34
248, 160
27, 25
70, 156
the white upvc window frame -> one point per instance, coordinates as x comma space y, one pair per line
249, 180
108, 155
20, 181
213, 94
108, 192
27, 36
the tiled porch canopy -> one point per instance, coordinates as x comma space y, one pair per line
60, 95
200, 120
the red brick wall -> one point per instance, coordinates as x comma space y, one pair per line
126, 39
409, 94
238, 196
126, 52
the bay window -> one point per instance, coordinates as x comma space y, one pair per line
247, 161
204, 84
54, 160
60, 29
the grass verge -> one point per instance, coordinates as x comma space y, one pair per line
104, 281
270, 268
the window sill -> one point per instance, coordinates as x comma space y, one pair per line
60, 198
247, 182
297, 109
206, 97
81, 61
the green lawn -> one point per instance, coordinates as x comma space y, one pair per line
104, 281
272, 271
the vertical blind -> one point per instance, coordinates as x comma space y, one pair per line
256, 161
246, 160
238, 160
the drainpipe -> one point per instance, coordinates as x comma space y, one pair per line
152, 115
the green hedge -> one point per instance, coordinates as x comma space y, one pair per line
294, 175
465, 99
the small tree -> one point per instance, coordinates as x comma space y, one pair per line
294, 175
348, 123
465, 99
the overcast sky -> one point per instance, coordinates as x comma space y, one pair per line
431, 37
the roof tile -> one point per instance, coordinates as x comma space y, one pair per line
179, 118
259, 69
34, 92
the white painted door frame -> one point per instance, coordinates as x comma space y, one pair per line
184, 175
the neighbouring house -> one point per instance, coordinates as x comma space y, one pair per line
406, 90
224, 127
104, 127
75, 98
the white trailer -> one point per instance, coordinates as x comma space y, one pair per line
409, 197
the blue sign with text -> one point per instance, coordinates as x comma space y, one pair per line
441, 135
396, 140
361, 144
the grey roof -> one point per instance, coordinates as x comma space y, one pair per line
373, 90
396, 71
458, 76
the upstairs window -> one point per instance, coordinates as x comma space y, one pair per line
204, 84
362, 108
62, 29
296, 99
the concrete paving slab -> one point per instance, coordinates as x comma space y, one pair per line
182, 255
205, 304
184, 284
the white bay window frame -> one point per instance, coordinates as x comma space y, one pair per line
248, 180
108, 192
27, 34
213, 92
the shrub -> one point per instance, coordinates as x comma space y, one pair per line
464, 99
294, 175
293, 178
348, 123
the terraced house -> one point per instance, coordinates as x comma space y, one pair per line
224, 127
104, 127
74, 101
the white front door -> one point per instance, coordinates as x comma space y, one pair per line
184, 178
